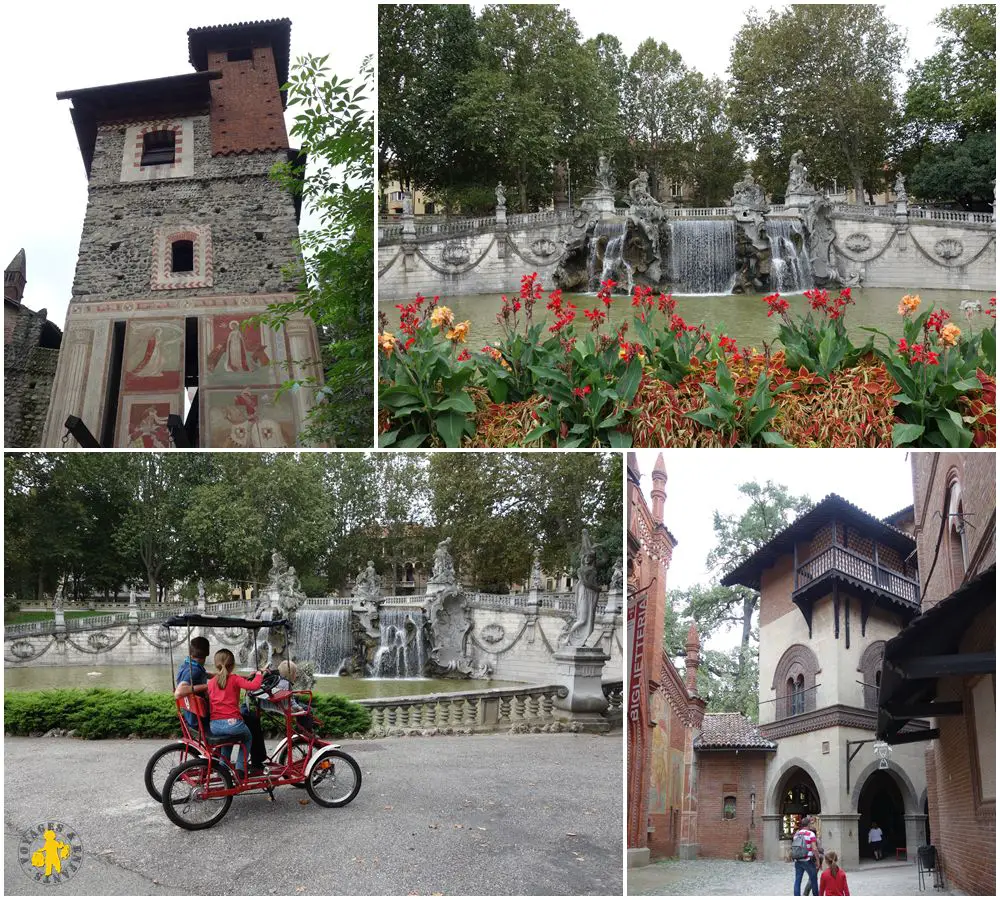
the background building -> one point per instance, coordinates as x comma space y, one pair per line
186, 237
942, 666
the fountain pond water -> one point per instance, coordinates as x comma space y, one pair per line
324, 636
702, 256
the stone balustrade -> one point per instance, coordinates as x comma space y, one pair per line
496, 709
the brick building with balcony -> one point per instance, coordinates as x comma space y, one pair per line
942, 666
835, 586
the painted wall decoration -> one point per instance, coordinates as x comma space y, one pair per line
665, 784
143, 423
154, 355
251, 417
236, 354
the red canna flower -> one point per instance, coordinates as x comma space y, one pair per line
776, 304
464, 355
604, 293
582, 392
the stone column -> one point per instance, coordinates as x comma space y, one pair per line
69, 390
409, 242
303, 364
772, 849
916, 835
840, 833
580, 670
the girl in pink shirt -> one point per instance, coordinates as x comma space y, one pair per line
224, 698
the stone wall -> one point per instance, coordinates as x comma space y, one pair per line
28, 372
919, 255
490, 261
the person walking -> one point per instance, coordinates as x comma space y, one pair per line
875, 840
805, 855
834, 881
817, 827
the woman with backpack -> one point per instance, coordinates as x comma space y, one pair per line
834, 881
805, 855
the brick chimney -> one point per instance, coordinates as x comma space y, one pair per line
692, 660
659, 492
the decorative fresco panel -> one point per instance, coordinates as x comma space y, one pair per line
154, 355
238, 354
248, 418
143, 422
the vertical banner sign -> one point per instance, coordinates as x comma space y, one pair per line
637, 717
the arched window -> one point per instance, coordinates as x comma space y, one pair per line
182, 256
794, 681
158, 148
957, 545
799, 798
729, 807
870, 668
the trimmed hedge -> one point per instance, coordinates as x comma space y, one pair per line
102, 713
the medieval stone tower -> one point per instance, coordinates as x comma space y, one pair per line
186, 237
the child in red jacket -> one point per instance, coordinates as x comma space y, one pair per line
833, 881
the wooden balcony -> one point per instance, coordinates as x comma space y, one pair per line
815, 576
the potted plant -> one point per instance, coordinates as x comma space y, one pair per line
749, 851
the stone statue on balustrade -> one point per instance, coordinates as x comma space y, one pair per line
501, 195
535, 582
797, 183
616, 575
605, 182
748, 195
280, 599
638, 191
407, 205
443, 570
367, 592
588, 591
899, 187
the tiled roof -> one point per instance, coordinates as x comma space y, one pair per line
725, 730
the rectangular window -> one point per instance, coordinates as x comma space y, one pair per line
985, 724
158, 148
239, 54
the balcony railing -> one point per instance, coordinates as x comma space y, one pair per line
840, 559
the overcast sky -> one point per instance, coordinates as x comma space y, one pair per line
702, 481
52, 47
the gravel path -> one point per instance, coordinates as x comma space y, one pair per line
491, 814
703, 877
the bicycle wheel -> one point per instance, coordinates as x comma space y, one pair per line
334, 779
300, 751
160, 764
184, 791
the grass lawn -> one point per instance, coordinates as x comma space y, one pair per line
43, 615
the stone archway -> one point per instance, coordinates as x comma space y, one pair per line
888, 797
774, 788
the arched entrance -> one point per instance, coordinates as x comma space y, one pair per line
797, 797
881, 801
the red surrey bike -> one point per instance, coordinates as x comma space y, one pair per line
201, 782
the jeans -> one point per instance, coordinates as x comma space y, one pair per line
802, 867
235, 728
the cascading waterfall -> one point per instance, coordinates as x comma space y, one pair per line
614, 266
790, 268
702, 256
402, 650
325, 637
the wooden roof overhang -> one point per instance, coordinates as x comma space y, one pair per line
928, 650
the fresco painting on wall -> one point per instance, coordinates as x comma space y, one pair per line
249, 418
237, 352
154, 354
659, 782
144, 421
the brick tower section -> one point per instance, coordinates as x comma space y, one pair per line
246, 112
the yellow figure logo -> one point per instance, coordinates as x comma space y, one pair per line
48, 857
50, 852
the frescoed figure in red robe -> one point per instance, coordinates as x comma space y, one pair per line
152, 356
236, 351
237, 358
151, 430
247, 428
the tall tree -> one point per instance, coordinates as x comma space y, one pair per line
660, 102
717, 161
821, 79
949, 145
771, 508
335, 125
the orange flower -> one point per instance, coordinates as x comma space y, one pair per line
908, 304
460, 332
442, 316
388, 341
950, 335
